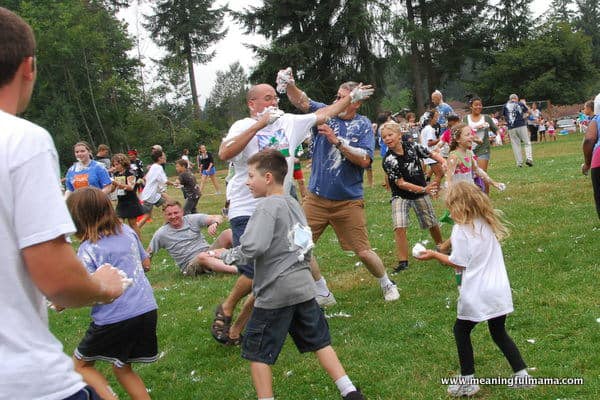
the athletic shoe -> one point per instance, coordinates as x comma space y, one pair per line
522, 382
354, 395
463, 389
529, 163
402, 265
390, 292
326, 301
520, 165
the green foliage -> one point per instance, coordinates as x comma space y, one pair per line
556, 65
402, 350
227, 101
510, 20
86, 87
588, 21
186, 30
325, 42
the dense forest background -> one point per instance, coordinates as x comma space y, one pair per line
90, 86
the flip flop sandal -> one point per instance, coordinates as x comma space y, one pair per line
220, 326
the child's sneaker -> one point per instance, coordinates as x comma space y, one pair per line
465, 388
326, 301
390, 292
402, 265
354, 395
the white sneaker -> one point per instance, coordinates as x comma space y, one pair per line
326, 301
463, 389
522, 382
390, 292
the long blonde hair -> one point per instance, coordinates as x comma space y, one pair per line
467, 202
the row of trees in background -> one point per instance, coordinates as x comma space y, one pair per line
89, 85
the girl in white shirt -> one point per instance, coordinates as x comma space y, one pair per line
485, 293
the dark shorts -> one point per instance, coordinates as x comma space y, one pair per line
87, 393
121, 343
238, 226
267, 330
147, 206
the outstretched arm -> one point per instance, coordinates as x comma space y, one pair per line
57, 272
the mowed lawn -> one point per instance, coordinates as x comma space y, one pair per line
402, 350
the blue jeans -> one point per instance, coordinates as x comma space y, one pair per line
238, 227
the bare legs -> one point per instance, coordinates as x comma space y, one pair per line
129, 380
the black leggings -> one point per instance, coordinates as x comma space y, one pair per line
462, 335
595, 173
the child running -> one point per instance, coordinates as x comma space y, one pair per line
402, 165
485, 293
124, 331
189, 187
278, 240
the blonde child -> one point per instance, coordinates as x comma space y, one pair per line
485, 293
124, 331
462, 163
278, 240
402, 166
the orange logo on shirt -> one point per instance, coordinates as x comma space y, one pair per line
81, 181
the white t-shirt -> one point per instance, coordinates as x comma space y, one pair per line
427, 134
286, 133
32, 211
485, 290
155, 184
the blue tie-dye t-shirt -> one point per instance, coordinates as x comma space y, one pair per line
332, 176
125, 252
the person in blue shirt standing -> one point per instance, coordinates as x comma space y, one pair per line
514, 114
444, 109
342, 149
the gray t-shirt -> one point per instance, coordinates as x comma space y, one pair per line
184, 243
278, 239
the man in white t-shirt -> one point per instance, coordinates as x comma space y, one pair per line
37, 260
267, 127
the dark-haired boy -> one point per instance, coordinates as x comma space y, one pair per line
189, 186
279, 241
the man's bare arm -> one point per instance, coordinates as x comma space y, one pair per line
57, 272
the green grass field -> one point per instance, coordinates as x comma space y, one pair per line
401, 350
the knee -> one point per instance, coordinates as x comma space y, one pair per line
364, 254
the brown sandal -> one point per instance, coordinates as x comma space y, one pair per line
220, 326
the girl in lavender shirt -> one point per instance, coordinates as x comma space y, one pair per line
123, 331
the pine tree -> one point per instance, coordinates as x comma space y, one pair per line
186, 30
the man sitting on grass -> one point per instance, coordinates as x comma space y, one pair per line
183, 240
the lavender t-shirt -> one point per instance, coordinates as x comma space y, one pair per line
125, 252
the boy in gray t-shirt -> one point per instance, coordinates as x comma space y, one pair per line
278, 240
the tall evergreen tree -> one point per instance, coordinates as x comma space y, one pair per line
561, 11
510, 21
326, 42
227, 101
438, 40
187, 30
588, 21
